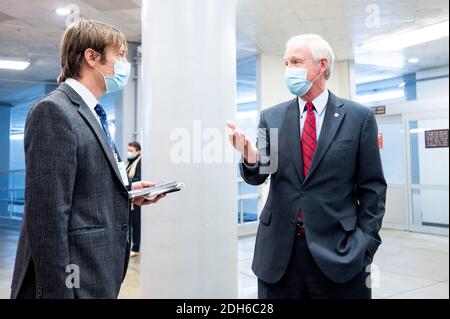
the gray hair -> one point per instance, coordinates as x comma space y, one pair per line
320, 49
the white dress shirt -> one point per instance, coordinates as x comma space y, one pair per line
86, 95
320, 105
91, 102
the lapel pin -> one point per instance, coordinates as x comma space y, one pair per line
336, 114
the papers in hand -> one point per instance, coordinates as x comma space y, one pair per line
151, 193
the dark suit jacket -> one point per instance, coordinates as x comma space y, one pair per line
76, 207
342, 198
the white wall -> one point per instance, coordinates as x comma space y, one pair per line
270, 81
434, 88
342, 82
271, 90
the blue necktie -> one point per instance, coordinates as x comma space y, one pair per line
104, 121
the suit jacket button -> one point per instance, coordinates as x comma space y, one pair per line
125, 227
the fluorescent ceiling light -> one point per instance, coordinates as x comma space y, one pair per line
16, 137
63, 11
382, 96
14, 65
418, 130
378, 76
384, 61
246, 99
413, 60
409, 38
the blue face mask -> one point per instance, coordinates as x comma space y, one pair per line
116, 83
297, 81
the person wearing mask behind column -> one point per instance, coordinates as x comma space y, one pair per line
134, 173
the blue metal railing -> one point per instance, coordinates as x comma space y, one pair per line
247, 213
12, 194
12, 198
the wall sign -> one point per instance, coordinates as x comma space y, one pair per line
436, 138
379, 110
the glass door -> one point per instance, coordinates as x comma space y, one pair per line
428, 158
391, 140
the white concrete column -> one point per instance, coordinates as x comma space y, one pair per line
342, 82
189, 242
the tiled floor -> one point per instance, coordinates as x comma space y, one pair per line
411, 266
8, 245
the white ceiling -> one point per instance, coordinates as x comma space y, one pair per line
266, 25
30, 29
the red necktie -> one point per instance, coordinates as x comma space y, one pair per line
309, 141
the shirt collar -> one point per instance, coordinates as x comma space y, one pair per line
84, 92
319, 102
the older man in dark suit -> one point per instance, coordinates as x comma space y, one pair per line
74, 241
319, 229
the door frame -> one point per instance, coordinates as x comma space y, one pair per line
437, 114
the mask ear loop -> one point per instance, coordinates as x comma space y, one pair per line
317, 76
99, 72
96, 69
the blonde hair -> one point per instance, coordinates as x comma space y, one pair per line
82, 35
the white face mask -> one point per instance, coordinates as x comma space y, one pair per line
132, 156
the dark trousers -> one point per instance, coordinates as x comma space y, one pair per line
28, 288
136, 229
304, 280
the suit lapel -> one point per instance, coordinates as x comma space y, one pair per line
334, 116
87, 114
95, 126
291, 126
